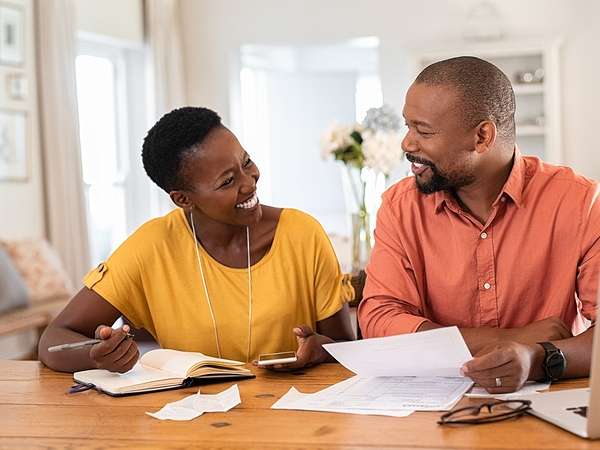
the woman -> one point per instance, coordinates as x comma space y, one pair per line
222, 274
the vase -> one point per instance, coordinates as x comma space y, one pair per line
361, 240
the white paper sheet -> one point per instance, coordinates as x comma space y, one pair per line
303, 402
531, 387
440, 352
195, 405
393, 396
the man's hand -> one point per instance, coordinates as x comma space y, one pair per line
511, 363
116, 352
310, 351
550, 329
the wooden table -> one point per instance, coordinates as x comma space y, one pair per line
36, 411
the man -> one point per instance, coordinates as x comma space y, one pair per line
504, 246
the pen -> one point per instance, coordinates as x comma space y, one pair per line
77, 345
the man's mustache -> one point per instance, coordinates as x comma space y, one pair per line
414, 159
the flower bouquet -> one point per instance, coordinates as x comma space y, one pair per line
367, 148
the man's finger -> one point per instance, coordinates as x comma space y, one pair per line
490, 382
508, 384
487, 361
506, 370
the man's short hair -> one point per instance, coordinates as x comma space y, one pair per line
484, 90
171, 139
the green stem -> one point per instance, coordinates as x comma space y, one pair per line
354, 192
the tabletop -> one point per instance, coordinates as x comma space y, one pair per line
36, 411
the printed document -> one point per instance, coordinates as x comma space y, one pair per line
394, 376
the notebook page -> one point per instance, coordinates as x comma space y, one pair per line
121, 382
180, 363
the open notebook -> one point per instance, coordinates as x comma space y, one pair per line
162, 369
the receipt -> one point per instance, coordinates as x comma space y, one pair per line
190, 407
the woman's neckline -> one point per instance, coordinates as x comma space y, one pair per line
261, 261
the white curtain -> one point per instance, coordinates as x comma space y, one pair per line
167, 80
65, 202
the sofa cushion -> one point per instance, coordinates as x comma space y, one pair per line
40, 267
13, 292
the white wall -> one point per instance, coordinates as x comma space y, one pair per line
21, 202
213, 32
297, 113
115, 19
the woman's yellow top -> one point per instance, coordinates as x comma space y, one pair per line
153, 279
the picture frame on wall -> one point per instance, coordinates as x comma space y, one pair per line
13, 146
12, 35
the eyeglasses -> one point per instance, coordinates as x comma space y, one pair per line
486, 412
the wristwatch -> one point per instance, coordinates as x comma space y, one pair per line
554, 363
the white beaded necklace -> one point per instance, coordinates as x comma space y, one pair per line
212, 314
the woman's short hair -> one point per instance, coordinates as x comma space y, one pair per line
174, 136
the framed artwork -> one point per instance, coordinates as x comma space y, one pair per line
13, 146
12, 35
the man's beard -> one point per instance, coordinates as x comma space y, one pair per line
436, 183
440, 182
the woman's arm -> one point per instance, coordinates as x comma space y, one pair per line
88, 315
337, 327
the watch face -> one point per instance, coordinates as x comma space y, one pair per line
555, 364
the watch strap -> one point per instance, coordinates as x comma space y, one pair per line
550, 352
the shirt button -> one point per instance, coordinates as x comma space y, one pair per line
483, 235
486, 286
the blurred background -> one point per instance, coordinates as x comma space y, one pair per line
85, 79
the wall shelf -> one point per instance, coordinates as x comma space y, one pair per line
528, 89
530, 130
536, 102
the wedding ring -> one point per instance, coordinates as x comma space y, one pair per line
498, 382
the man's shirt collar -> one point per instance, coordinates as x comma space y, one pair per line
513, 187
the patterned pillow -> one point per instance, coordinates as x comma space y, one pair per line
41, 269
13, 292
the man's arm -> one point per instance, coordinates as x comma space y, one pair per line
513, 363
391, 302
477, 339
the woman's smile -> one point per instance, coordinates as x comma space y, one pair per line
249, 204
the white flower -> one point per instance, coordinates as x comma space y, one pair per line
382, 150
337, 137
383, 118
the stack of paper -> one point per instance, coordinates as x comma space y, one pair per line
395, 375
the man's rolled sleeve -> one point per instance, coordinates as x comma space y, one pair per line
588, 271
391, 302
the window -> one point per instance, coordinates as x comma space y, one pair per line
104, 97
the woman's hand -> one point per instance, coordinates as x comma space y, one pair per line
117, 352
310, 351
